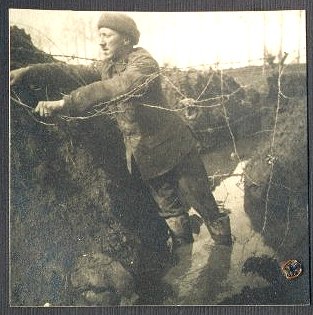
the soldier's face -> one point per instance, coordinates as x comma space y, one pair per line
111, 43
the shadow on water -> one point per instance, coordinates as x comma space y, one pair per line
157, 285
185, 283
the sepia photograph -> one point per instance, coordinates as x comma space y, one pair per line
158, 158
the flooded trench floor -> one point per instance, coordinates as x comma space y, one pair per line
208, 274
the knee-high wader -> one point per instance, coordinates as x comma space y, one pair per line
187, 186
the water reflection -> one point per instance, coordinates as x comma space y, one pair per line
210, 281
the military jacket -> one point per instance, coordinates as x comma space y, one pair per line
155, 136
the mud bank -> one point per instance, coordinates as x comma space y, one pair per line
72, 199
276, 183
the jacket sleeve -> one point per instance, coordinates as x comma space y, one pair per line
61, 75
139, 72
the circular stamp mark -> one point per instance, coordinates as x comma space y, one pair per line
291, 268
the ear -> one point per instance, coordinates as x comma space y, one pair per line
127, 41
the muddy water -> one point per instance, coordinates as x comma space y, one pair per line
207, 274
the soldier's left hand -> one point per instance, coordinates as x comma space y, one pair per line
48, 108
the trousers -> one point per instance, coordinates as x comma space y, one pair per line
183, 187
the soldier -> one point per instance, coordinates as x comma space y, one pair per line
157, 141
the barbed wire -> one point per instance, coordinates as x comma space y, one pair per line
42, 53
134, 94
213, 65
103, 108
29, 110
272, 143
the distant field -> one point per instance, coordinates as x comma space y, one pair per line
255, 76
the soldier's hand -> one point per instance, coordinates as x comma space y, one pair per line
191, 112
48, 108
186, 102
16, 76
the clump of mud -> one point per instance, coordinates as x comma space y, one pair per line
22, 50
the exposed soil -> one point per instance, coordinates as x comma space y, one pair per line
72, 196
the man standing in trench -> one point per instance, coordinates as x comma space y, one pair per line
157, 141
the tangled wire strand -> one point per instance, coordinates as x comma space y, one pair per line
106, 108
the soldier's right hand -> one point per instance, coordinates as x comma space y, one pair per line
16, 76
186, 102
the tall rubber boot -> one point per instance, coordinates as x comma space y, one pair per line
180, 230
220, 230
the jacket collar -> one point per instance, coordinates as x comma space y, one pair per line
116, 65
120, 63
123, 55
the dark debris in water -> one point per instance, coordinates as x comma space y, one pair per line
278, 291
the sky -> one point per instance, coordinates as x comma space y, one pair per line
180, 39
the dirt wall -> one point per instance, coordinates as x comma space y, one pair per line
71, 197
276, 182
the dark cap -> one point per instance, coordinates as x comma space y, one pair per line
120, 23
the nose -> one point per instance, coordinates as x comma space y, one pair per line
103, 41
